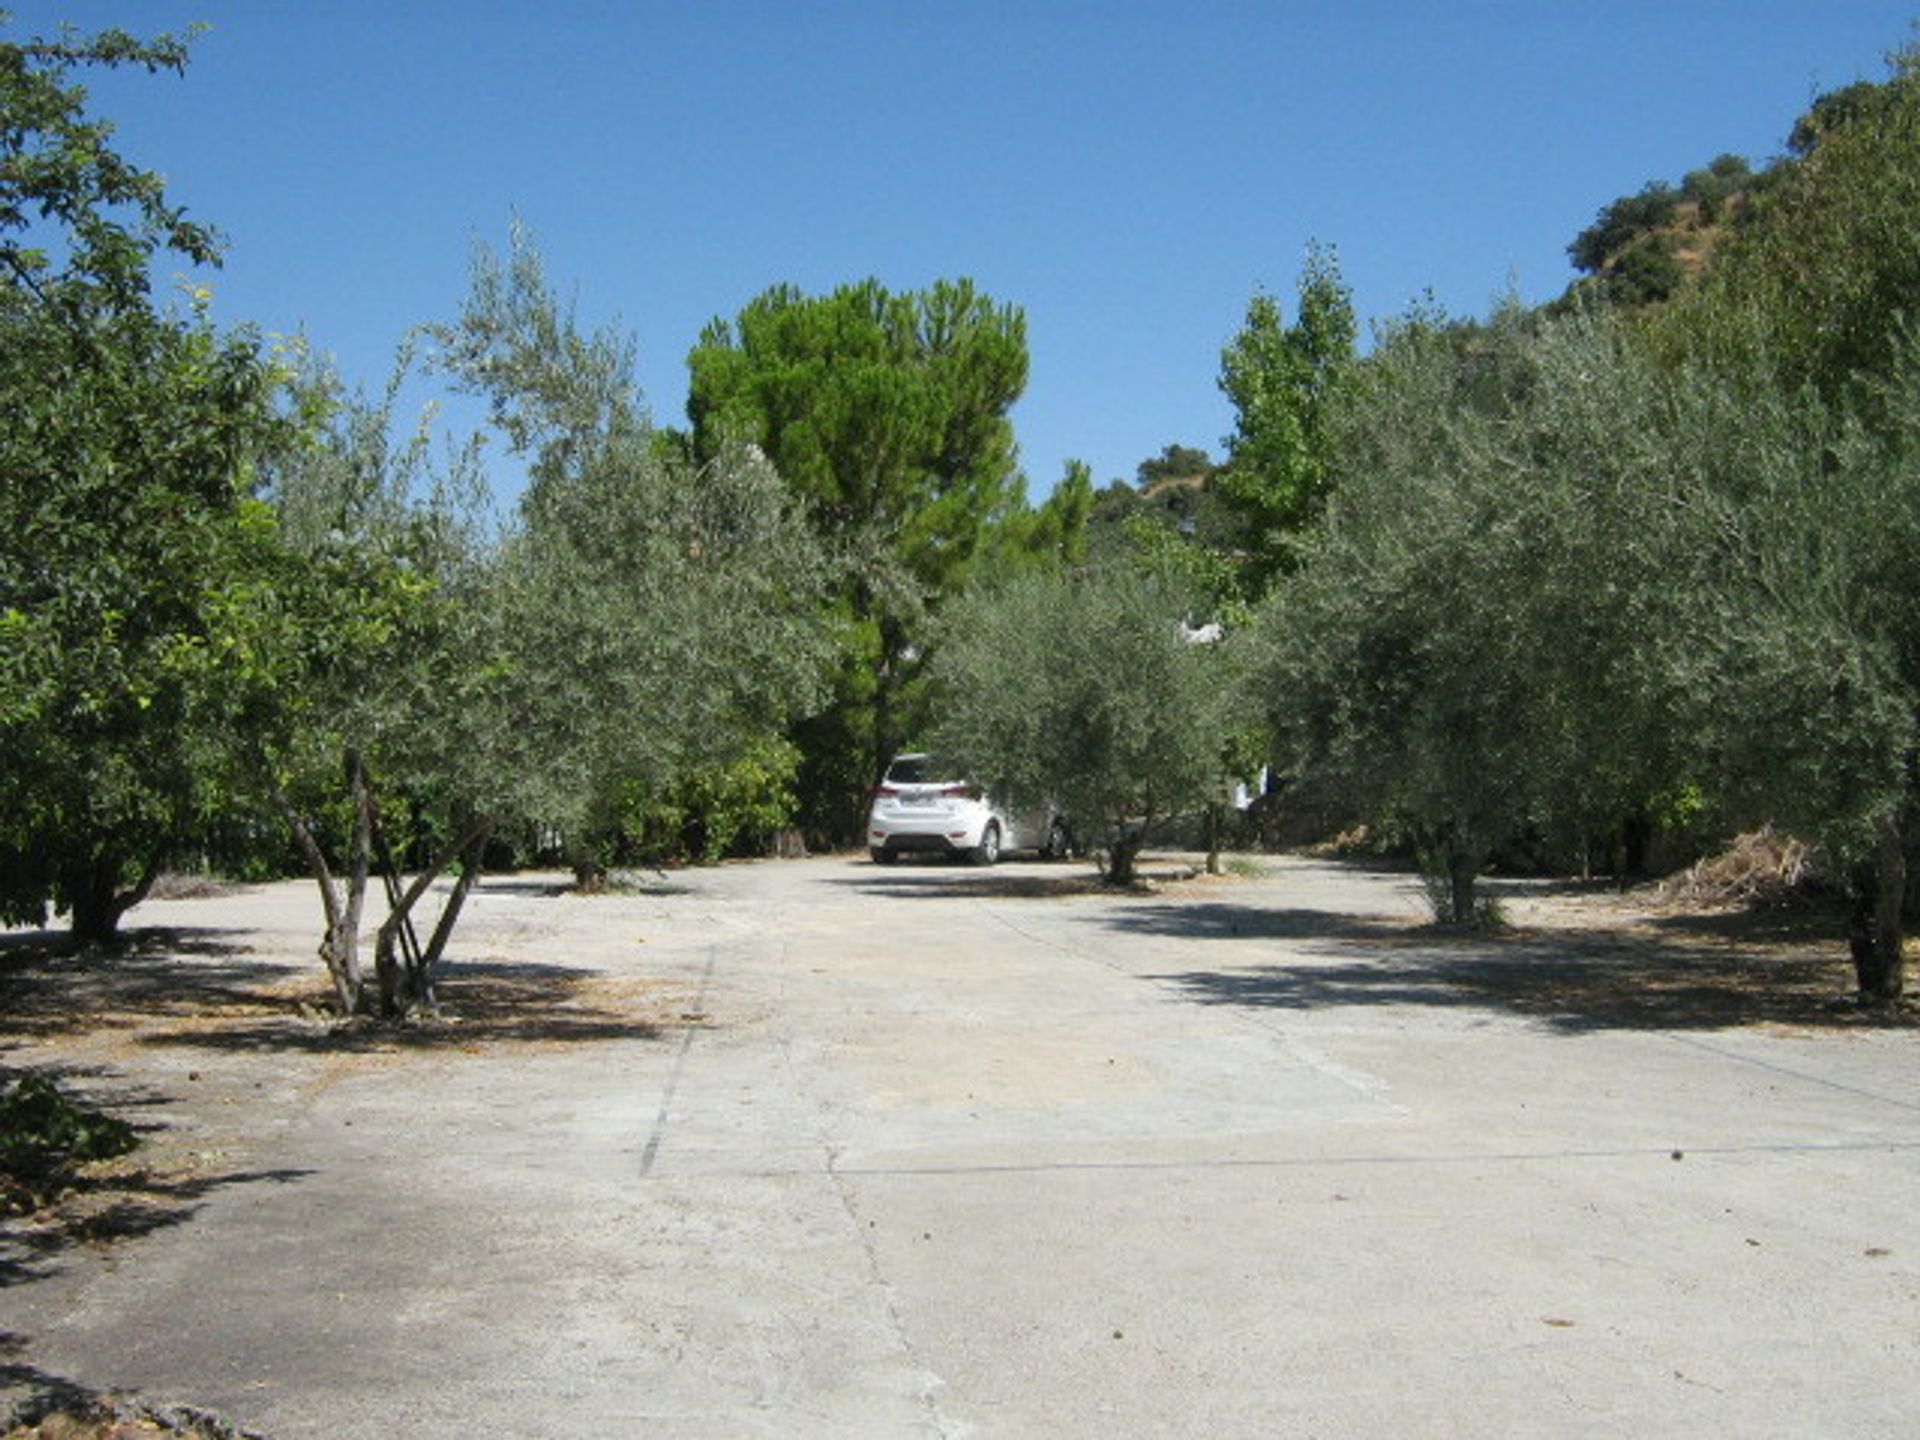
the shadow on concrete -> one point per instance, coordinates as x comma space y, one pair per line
973, 885
483, 1003
98, 1210
539, 887
1226, 920
49, 988
199, 988
38, 1403
1672, 973
934, 878
621, 884
29, 1394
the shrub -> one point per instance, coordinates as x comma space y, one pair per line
43, 1135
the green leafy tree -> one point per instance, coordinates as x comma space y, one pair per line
639, 620
1050, 536
1646, 273
1818, 283
1711, 187
1810, 667
370, 651
1284, 382
1833, 111
1623, 224
666, 612
1800, 333
1464, 653
642, 619
1083, 690
1174, 462
887, 415
126, 464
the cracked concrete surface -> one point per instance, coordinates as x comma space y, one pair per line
919, 1151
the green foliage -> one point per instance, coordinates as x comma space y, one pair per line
1211, 574
1713, 186
673, 616
887, 413
125, 524
1632, 252
1080, 690
1052, 536
1622, 223
78, 221
723, 808
1646, 273
654, 613
887, 416
1814, 287
43, 1135
1813, 655
1174, 462
1800, 335
379, 579
1582, 574
1285, 382
1465, 654
641, 616
1833, 111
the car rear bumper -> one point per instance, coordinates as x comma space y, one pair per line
916, 845
930, 834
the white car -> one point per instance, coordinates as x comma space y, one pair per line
921, 809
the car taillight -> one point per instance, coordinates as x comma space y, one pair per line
881, 792
961, 792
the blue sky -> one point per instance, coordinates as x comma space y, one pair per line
1126, 173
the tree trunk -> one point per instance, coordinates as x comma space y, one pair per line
450, 915
1450, 869
340, 944
1636, 838
1123, 853
95, 900
1462, 873
405, 987
1214, 826
1878, 930
94, 918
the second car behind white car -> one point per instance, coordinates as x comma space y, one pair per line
920, 808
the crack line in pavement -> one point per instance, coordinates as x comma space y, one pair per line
652, 1151
1291, 1162
863, 1236
1791, 1073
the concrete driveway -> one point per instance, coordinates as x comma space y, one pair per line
924, 1151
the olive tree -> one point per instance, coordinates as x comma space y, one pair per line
1087, 691
1464, 651
639, 616
1796, 358
1810, 666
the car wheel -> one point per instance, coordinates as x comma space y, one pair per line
988, 850
882, 856
1059, 843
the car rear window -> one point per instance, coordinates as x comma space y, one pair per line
917, 770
